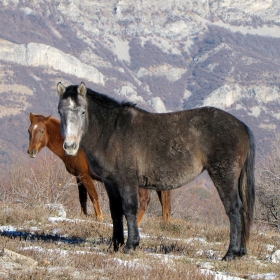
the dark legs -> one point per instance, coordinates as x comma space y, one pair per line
82, 196
86, 185
92, 192
123, 201
130, 209
116, 214
237, 246
227, 187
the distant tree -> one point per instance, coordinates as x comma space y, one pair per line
268, 186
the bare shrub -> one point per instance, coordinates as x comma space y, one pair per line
197, 201
268, 187
38, 181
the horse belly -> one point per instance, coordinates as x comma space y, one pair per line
170, 176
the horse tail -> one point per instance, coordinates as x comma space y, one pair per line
247, 187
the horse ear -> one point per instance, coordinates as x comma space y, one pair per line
47, 119
60, 89
31, 116
82, 90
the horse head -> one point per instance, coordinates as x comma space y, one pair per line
72, 108
38, 135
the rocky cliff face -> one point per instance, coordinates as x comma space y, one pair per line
41, 55
162, 55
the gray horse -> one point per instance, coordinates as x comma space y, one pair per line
129, 147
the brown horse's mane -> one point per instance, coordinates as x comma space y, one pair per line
41, 118
38, 116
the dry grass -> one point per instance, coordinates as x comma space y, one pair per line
176, 251
180, 250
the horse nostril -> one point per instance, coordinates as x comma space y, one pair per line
32, 153
64, 146
72, 146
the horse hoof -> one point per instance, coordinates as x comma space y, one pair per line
126, 250
114, 246
228, 258
243, 252
100, 219
232, 255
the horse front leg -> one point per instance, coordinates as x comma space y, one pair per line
130, 209
116, 215
82, 196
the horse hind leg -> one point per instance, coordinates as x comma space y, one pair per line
144, 200
228, 190
164, 198
237, 246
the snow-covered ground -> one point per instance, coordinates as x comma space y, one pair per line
206, 268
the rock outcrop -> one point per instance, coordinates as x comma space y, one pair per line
47, 57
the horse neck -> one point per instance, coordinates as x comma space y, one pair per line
101, 118
55, 139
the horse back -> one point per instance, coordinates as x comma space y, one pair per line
169, 150
173, 149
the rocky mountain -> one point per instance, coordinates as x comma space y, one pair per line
163, 55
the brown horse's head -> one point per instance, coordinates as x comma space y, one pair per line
38, 136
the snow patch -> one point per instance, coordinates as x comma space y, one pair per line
157, 104
130, 93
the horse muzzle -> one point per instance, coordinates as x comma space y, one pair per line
32, 153
70, 149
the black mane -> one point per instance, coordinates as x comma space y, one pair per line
99, 98
107, 101
71, 91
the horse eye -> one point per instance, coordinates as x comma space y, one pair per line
42, 131
83, 112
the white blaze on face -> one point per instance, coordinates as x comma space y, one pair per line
35, 126
72, 122
71, 132
71, 104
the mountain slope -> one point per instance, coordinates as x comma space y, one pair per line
163, 55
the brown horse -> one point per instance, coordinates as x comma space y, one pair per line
45, 131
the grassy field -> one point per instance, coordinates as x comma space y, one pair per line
78, 247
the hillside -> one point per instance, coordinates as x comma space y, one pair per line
164, 55
43, 234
